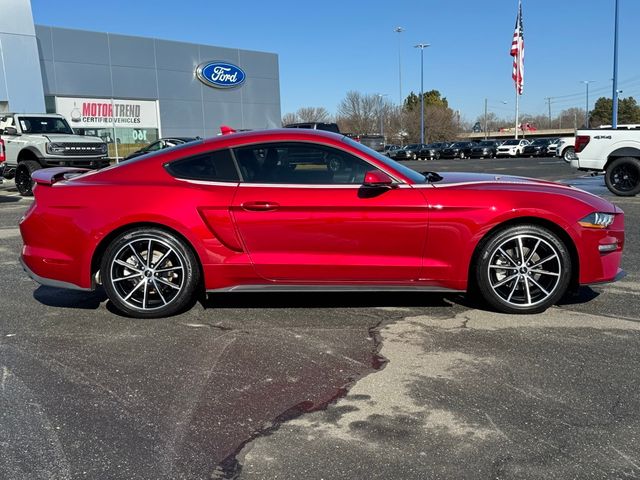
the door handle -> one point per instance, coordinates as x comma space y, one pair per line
260, 206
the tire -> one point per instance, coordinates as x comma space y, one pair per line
568, 154
461, 155
622, 176
149, 273
511, 285
24, 182
437, 156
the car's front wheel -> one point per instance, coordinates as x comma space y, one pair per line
523, 269
149, 273
24, 182
622, 177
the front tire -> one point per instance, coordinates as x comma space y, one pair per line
622, 177
149, 273
523, 269
24, 182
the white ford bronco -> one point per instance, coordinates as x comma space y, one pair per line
33, 141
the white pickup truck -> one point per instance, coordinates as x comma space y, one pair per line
614, 152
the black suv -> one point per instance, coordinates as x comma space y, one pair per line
329, 127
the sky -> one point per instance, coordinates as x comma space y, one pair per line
328, 48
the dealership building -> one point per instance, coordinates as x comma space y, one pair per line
132, 90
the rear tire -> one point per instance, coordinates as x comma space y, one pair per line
569, 154
622, 176
24, 182
149, 273
523, 269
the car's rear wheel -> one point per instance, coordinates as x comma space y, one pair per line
523, 269
623, 176
24, 182
149, 273
569, 154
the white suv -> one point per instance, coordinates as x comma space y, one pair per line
512, 148
566, 149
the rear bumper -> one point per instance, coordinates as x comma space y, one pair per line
49, 282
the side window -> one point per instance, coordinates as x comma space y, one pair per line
300, 163
215, 166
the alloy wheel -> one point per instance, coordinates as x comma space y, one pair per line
524, 270
147, 273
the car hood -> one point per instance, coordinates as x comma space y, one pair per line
63, 138
515, 183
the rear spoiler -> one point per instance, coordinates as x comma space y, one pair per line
49, 176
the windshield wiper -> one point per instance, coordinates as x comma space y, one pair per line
432, 176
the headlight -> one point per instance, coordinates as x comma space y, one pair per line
55, 148
103, 148
597, 220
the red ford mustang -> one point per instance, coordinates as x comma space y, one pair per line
294, 209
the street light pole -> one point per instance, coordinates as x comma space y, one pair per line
486, 133
614, 113
399, 30
380, 115
422, 46
586, 110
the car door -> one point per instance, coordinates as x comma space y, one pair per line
304, 216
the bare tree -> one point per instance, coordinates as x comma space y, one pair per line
313, 114
289, 118
358, 113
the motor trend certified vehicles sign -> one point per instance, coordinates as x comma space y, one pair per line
106, 113
220, 74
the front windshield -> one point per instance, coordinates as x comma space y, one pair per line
486, 144
459, 145
512, 142
406, 171
44, 125
540, 142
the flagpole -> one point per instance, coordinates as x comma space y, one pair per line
517, 110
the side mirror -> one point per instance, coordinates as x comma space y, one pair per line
376, 178
11, 131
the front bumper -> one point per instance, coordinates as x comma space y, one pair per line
78, 162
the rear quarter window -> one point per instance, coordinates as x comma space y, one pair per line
215, 166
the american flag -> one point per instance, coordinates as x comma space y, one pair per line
517, 52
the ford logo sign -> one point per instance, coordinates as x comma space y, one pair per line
220, 74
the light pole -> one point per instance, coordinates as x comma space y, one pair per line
486, 122
586, 110
614, 113
399, 30
380, 115
422, 46
548, 99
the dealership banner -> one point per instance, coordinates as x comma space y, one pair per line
107, 113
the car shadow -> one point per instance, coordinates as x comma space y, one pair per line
582, 295
65, 298
6, 199
324, 300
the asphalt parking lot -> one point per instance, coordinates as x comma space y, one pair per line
322, 386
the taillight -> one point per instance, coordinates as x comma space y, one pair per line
3, 157
581, 142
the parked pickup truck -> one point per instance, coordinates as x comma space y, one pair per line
614, 152
33, 141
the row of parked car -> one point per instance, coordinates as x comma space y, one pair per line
539, 147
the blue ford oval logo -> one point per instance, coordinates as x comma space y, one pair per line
220, 74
